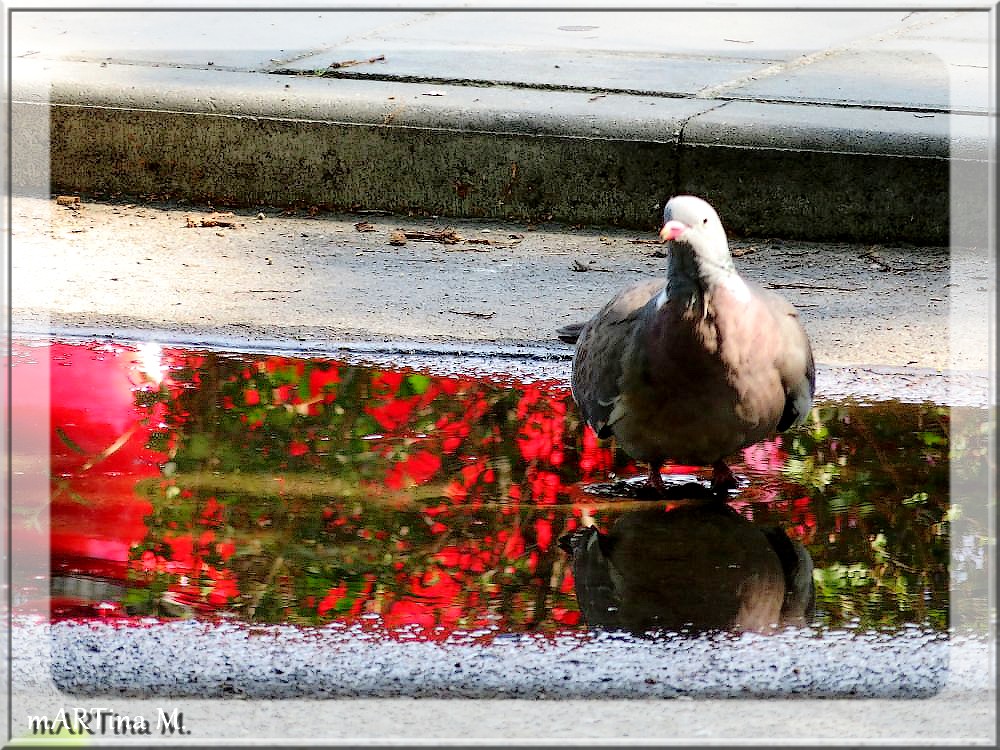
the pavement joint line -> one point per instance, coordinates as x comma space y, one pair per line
516, 85
857, 106
714, 92
653, 94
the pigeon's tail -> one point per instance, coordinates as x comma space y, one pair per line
570, 333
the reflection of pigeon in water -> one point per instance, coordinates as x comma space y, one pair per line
694, 368
699, 567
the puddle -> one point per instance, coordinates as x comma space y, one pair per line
271, 489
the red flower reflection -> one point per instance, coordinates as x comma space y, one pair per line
316, 490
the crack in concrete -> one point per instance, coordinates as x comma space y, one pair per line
425, 16
678, 181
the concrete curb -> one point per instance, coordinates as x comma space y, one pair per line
795, 171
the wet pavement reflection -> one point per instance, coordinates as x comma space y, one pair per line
276, 489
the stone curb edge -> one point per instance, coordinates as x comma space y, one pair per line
808, 172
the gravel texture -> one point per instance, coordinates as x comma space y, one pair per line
196, 659
335, 686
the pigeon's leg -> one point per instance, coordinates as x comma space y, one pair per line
723, 479
655, 480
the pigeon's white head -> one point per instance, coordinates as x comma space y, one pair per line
696, 236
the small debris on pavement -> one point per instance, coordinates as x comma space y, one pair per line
70, 201
268, 291
514, 239
444, 236
796, 285
433, 93
637, 241
215, 219
877, 264
397, 238
365, 226
474, 314
349, 63
578, 266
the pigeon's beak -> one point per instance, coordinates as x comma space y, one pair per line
672, 230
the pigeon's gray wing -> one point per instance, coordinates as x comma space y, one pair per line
597, 364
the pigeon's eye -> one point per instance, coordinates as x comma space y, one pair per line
705, 220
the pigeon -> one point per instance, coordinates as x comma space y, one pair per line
694, 367
699, 566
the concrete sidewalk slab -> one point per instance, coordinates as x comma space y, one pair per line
319, 282
800, 124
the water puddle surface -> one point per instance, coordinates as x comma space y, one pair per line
275, 490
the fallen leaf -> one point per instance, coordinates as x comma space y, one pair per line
365, 226
73, 201
397, 238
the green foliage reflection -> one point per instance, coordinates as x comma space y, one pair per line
306, 490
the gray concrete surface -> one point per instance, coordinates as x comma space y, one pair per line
801, 124
640, 691
318, 281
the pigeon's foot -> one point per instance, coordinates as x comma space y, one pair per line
723, 478
656, 480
